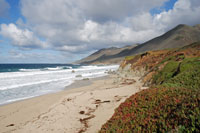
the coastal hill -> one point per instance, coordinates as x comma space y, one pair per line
172, 101
177, 37
97, 57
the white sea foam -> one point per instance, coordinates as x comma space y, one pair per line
29, 70
28, 83
56, 68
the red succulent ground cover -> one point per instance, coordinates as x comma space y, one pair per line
157, 110
172, 103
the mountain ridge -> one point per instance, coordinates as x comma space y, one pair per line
179, 36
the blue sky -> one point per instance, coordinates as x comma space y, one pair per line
62, 31
168, 5
14, 12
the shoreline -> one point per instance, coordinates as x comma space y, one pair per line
84, 82
74, 85
85, 106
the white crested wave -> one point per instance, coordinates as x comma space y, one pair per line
28, 83
31, 83
57, 68
48, 68
28, 70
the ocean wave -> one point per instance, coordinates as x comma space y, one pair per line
34, 72
33, 83
57, 68
46, 69
31, 73
28, 82
28, 70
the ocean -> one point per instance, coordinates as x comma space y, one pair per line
23, 81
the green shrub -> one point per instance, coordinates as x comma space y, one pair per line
179, 74
187, 77
166, 73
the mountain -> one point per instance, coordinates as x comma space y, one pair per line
177, 37
96, 57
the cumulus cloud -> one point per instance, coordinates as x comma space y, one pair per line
184, 12
20, 37
87, 25
113, 33
117, 10
77, 25
4, 7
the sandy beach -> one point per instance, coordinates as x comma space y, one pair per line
83, 107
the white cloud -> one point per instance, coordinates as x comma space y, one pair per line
71, 48
106, 10
72, 12
141, 22
184, 12
112, 33
76, 25
20, 37
52, 12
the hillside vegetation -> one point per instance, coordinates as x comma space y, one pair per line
172, 102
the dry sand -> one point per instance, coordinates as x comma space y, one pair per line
81, 109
